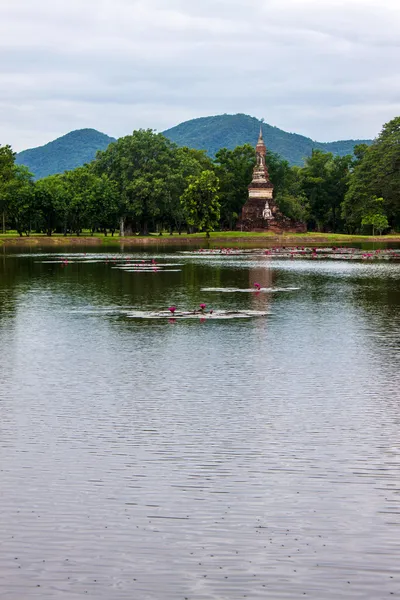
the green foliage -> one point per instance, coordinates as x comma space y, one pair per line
150, 173
21, 195
375, 215
325, 183
376, 174
200, 202
234, 170
144, 182
377, 221
291, 198
229, 131
7, 158
65, 153
139, 164
51, 201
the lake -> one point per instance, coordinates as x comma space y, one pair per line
253, 453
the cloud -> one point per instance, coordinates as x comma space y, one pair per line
324, 68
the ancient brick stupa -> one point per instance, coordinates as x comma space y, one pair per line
260, 213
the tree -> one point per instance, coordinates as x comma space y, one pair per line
376, 174
51, 201
291, 199
375, 215
200, 202
377, 221
139, 164
102, 208
7, 159
81, 193
187, 162
234, 170
325, 183
278, 169
20, 192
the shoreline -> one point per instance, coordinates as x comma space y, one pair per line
228, 239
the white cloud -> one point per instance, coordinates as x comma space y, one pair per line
324, 68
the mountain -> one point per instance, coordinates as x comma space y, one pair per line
67, 152
207, 133
229, 131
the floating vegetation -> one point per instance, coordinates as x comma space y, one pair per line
303, 252
173, 314
151, 270
257, 290
127, 263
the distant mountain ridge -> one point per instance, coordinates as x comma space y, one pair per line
229, 131
206, 133
65, 153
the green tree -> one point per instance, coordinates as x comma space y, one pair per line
21, 195
200, 202
51, 201
138, 163
102, 208
377, 221
376, 174
187, 162
234, 170
278, 169
325, 182
291, 198
375, 215
81, 193
7, 159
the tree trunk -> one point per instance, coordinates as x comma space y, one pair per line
122, 227
4, 221
207, 234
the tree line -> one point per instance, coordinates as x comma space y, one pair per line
145, 183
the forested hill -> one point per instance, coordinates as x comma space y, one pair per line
229, 131
67, 152
207, 133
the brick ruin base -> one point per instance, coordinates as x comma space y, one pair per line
252, 218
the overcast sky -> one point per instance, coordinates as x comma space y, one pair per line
328, 69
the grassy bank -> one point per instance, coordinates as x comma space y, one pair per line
225, 238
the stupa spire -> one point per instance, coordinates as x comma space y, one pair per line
261, 212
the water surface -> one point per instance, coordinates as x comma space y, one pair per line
223, 459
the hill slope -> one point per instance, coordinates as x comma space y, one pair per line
207, 133
229, 131
67, 152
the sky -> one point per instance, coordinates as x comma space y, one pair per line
328, 69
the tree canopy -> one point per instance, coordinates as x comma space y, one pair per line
144, 182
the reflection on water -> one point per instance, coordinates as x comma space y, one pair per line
218, 460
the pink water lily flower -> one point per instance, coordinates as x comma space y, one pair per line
172, 309
202, 306
257, 286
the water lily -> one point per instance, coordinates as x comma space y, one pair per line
172, 309
203, 306
257, 286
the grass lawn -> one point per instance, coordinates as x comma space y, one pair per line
216, 237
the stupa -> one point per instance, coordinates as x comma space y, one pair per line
261, 213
